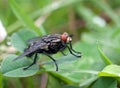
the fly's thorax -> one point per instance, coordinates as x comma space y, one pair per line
56, 40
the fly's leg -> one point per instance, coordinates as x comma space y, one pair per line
73, 49
52, 60
70, 50
62, 49
63, 53
34, 62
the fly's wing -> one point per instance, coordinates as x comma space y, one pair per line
36, 46
22, 55
31, 41
46, 38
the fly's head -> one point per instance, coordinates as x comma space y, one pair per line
66, 37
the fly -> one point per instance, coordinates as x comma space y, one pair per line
48, 45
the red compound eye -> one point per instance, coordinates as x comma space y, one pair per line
64, 36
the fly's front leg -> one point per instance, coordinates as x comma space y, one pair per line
34, 62
62, 49
79, 53
52, 60
70, 50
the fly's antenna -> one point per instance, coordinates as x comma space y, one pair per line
71, 35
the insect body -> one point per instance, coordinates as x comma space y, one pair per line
47, 45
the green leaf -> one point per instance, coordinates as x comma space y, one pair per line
53, 82
104, 57
23, 17
12, 68
111, 71
62, 78
70, 86
20, 38
105, 82
87, 82
110, 49
1, 78
76, 69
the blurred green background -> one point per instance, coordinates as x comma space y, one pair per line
95, 25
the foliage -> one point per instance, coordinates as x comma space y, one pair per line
95, 25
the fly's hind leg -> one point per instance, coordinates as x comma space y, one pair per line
34, 62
